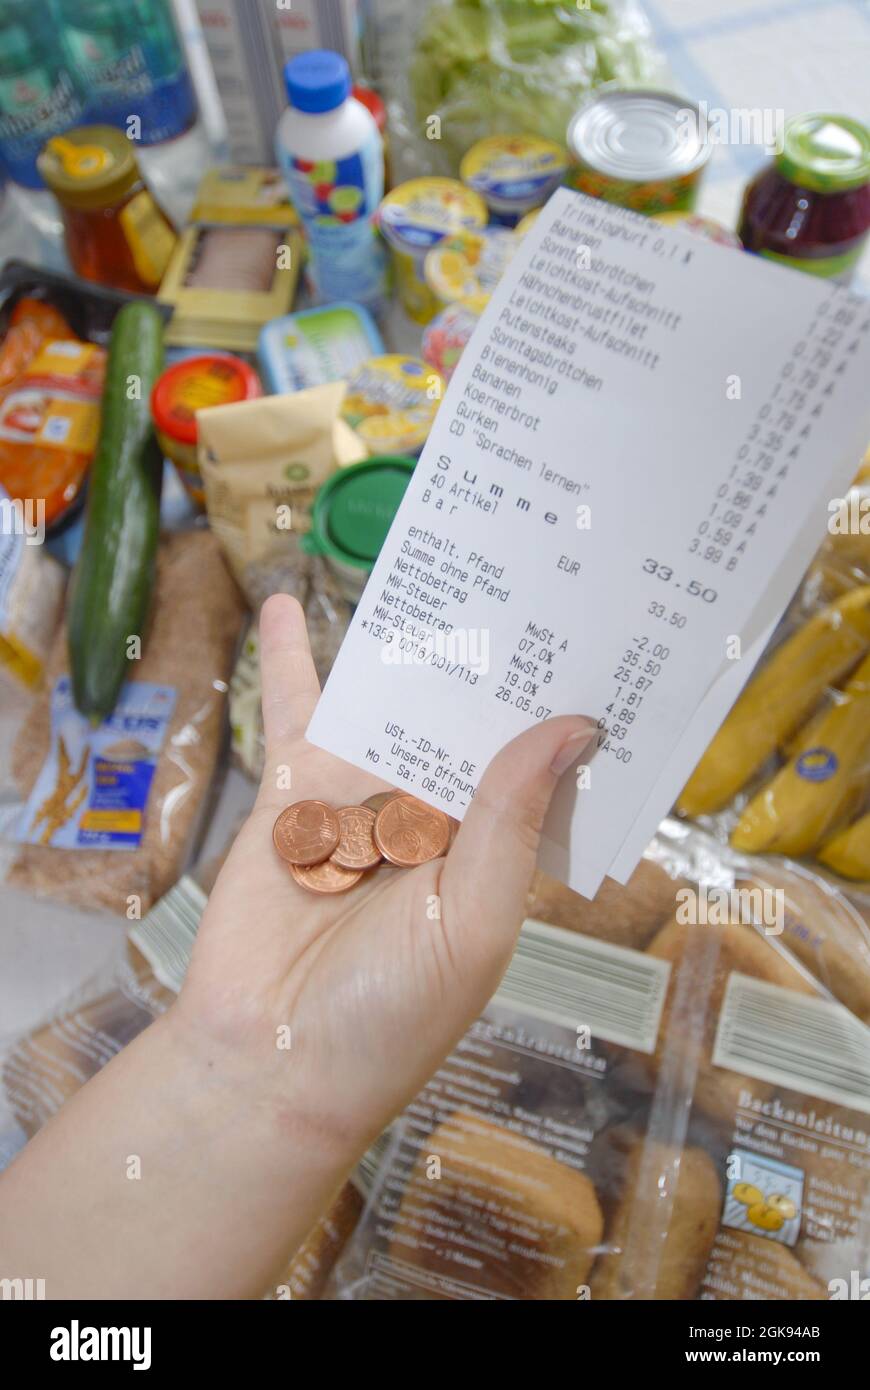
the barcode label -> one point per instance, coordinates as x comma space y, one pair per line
815, 1046
578, 981
166, 936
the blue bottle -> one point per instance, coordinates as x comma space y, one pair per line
39, 96
128, 57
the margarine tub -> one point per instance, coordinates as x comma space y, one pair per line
391, 403
466, 265
514, 173
413, 218
352, 513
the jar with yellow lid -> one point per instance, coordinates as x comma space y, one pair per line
115, 232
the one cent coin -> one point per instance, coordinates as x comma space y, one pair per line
327, 877
356, 849
408, 832
306, 832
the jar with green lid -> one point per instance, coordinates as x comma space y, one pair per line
810, 208
352, 513
115, 233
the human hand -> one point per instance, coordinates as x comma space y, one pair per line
375, 985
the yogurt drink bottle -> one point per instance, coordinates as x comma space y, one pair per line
331, 153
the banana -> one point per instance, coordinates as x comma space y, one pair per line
848, 853
778, 700
822, 784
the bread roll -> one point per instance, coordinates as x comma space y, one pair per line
825, 933
690, 1031
655, 1252
503, 1216
625, 915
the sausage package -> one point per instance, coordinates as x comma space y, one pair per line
666, 1099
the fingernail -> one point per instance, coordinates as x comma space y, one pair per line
572, 748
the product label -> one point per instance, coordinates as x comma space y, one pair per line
146, 79
150, 239
336, 200
312, 351
813, 1046
621, 490
827, 267
57, 405
92, 791
33, 106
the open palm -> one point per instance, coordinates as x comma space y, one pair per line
347, 1003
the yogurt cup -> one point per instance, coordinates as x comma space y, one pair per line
447, 336
391, 403
468, 264
514, 173
352, 513
415, 217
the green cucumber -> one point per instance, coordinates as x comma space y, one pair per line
114, 574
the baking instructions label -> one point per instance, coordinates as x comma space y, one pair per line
623, 486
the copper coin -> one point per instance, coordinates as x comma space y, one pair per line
327, 877
408, 832
306, 832
379, 800
356, 849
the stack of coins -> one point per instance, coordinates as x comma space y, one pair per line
329, 850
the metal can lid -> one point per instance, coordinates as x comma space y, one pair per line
828, 154
639, 135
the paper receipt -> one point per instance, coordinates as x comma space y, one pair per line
623, 486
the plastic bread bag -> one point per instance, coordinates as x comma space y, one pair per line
327, 616
454, 71
499, 1174
123, 848
752, 1178
531, 1168
45, 1068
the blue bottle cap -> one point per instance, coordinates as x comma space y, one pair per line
317, 81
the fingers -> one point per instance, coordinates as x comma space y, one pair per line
489, 869
289, 680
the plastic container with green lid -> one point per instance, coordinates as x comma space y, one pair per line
352, 513
810, 208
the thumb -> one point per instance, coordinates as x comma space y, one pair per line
487, 874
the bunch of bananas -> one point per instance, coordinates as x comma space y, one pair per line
809, 703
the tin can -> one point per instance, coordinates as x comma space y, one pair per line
644, 150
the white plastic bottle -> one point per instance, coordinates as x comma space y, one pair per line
330, 150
